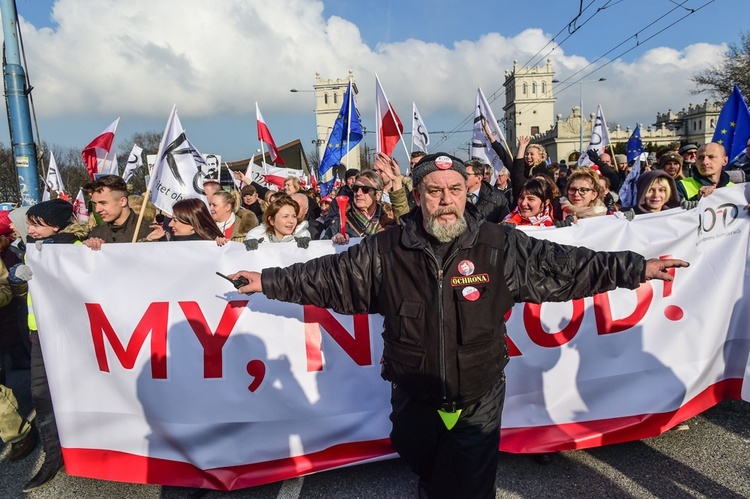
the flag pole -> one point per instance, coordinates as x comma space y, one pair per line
400, 135
159, 157
348, 120
614, 158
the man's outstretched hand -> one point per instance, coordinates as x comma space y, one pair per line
254, 283
657, 268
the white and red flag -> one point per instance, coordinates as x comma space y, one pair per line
388, 127
53, 182
95, 154
79, 207
264, 135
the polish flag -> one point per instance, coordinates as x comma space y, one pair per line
388, 127
264, 135
79, 207
95, 154
277, 176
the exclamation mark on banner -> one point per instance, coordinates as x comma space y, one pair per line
671, 312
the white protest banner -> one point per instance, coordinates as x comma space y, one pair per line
188, 383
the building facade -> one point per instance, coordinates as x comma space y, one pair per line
529, 111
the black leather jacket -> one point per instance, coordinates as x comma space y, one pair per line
444, 330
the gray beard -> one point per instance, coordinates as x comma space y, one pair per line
445, 233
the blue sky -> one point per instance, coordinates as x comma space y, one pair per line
93, 60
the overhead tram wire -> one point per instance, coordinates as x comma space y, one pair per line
635, 35
638, 44
496, 93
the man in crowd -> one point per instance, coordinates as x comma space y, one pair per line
443, 281
709, 173
688, 153
250, 200
502, 185
491, 204
110, 198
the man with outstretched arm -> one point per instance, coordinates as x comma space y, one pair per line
443, 281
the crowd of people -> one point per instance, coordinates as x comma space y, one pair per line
530, 190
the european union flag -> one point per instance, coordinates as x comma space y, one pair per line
634, 147
733, 127
346, 133
327, 187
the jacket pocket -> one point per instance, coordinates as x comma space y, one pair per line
475, 322
404, 364
411, 322
480, 367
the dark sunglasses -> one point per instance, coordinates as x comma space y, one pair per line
364, 188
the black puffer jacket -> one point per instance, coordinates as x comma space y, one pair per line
444, 331
492, 204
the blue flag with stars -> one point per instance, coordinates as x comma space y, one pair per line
634, 147
327, 187
733, 127
346, 133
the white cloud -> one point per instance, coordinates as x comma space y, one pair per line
113, 58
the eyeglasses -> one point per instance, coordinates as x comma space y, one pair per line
581, 190
364, 188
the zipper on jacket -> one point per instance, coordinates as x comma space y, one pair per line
441, 315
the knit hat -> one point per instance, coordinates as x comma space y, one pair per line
55, 213
351, 172
434, 162
5, 223
675, 158
621, 159
688, 147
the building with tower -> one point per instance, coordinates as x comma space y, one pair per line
329, 96
530, 104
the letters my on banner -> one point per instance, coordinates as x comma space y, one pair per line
161, 373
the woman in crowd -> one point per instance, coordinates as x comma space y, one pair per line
280, 225
49, 222
656, 191
584, 195
233, 223
534, 206
292, 186
530, 160
364, 214
191, 221
671, 163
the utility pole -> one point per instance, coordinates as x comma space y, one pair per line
17, 102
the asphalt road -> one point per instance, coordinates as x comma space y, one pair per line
711, 459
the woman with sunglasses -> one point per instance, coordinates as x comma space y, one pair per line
364, 215
191, 221
584, 195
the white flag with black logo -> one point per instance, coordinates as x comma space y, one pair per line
179, 169
481, 147
53, 182
419, 135
135, 161
599, 138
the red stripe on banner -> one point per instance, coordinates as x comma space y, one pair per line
123, 467
570, 436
